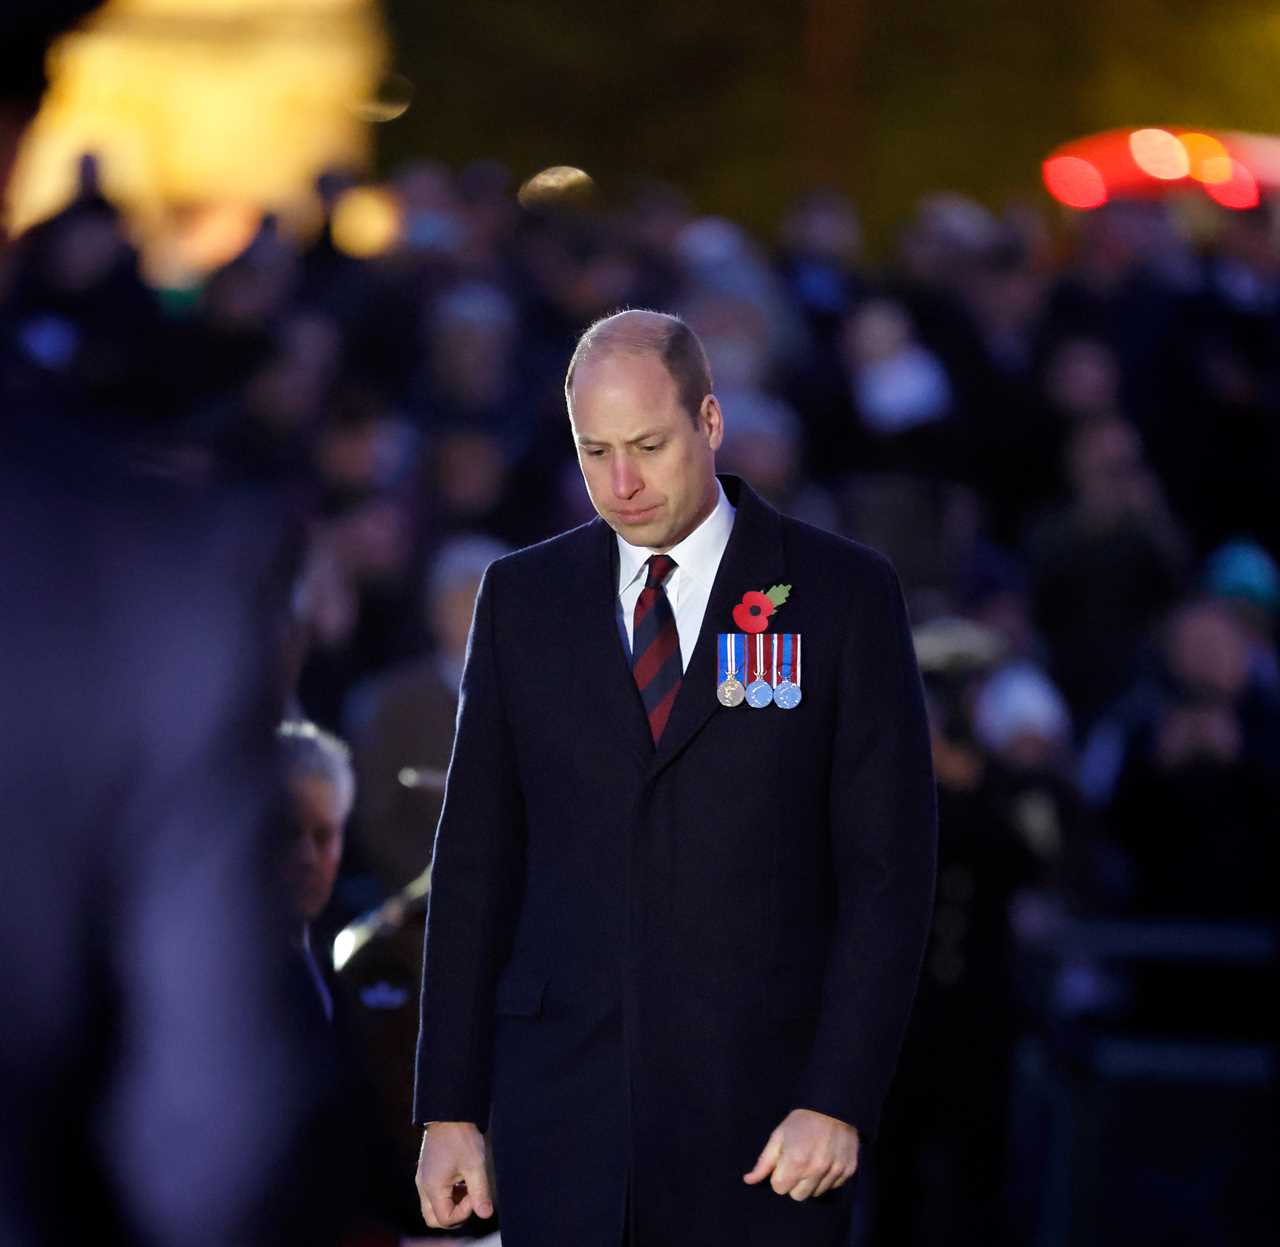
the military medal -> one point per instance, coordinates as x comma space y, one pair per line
760, 690
729, 690
777, 684
786, 692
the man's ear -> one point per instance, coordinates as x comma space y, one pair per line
711, 420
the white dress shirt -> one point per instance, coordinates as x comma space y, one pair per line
688, 587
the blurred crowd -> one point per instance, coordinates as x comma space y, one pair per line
1067, 438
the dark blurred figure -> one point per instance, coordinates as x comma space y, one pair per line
75, 311
821, 248
764, 443
152, 1089
405, 721
1123, 286
1195, 755
1010, 823
1244, 578
359, 1164
1217, 440
321, 792
1104, 566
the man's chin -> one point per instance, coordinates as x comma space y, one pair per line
647, 532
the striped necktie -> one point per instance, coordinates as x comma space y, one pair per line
655, 646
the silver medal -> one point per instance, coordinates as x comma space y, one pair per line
787, 695
759, 691
730, 692
786, 692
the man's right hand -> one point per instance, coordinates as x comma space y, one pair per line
452, 1182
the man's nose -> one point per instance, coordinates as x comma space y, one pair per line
626, 480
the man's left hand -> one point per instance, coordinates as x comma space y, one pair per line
809, 1154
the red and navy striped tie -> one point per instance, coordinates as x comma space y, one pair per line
655, 646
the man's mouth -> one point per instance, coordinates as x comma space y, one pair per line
634, 517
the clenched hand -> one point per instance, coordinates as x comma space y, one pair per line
452, 1157
808, 1154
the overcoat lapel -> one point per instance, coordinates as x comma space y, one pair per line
615, 700
753, 559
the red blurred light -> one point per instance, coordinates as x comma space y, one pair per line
1075, 182
1239, 191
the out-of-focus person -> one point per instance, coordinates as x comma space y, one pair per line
1196, 794
152, 1086
321, 791
821, 247
317, 791
404, 721
765, 445
1104, 566
1245, 578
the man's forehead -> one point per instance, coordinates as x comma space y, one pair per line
619, 368
623, 389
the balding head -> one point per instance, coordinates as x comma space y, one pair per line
641, 332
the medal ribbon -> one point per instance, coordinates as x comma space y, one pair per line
732, 658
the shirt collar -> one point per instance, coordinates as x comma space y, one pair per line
698, 554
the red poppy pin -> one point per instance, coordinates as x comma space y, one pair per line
752, 613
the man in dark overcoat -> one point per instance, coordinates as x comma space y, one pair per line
673, 938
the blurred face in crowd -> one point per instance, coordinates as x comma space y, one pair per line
1083, 378
319, 812
471, 471
450, 617
767, 460
1208, 652
735, 337
471, 358
877, 331
824, 226
649, 466
1108, 471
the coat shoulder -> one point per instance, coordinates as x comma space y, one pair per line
561, 556
839, 561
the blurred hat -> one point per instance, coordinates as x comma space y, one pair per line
1243, 569
1017, 700
953, 645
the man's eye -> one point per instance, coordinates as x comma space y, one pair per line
595, 454
650, 449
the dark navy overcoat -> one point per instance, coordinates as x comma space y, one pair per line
638, 961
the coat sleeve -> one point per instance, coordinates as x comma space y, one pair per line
477, 874
883, 823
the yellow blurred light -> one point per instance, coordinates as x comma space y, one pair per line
204, 102
1159, 155
390, 101
1216, 170
556, 185
366, 221
1207, 159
